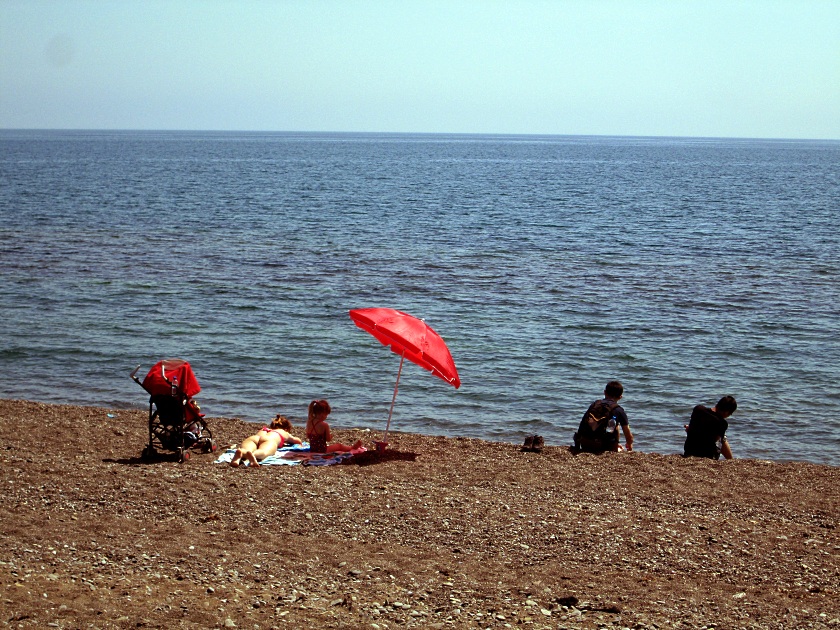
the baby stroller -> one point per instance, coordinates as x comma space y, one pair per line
175, 420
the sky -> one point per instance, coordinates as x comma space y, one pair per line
705, 68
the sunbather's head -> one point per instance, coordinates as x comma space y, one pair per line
281, 422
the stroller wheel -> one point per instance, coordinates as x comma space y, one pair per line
184, 455
213, 447
148, 453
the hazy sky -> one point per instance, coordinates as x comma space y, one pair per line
766, 68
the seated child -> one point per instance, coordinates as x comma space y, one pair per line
318, 431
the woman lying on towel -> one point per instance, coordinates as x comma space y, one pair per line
318, 431
265, 443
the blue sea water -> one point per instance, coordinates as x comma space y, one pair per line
686, 268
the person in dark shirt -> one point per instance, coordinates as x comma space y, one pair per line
706, 431
595, 436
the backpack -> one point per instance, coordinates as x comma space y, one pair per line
592, 434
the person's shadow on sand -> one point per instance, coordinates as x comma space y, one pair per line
369, 458
158, 458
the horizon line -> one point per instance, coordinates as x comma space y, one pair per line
411, 133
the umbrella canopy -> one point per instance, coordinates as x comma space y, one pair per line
412, 339
409, 336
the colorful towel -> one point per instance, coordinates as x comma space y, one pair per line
294, 455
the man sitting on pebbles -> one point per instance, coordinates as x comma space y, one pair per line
706, 431
598, 430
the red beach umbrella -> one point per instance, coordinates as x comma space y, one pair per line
412, 339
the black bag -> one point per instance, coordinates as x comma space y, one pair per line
592, 435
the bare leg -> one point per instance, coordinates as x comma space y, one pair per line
343, 448
248, 445
237, 457
249, 457
265, 450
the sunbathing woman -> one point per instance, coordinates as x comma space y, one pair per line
318, 431
265, 442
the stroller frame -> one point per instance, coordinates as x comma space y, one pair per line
175, 421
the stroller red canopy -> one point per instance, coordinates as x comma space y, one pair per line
155, 381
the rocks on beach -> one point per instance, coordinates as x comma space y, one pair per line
433, 533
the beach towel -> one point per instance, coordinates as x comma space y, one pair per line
294, 455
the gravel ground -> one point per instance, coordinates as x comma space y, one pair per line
434, 533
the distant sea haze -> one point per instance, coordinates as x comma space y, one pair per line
686, 268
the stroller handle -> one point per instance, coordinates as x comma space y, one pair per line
163, 374
133, 373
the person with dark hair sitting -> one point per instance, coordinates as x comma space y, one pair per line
598, 430
706, 431
318, 431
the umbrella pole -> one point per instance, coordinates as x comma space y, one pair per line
394, 399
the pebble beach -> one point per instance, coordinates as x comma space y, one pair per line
435, 532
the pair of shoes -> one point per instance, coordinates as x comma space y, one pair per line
533, 444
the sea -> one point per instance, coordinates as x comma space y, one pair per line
686, 268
